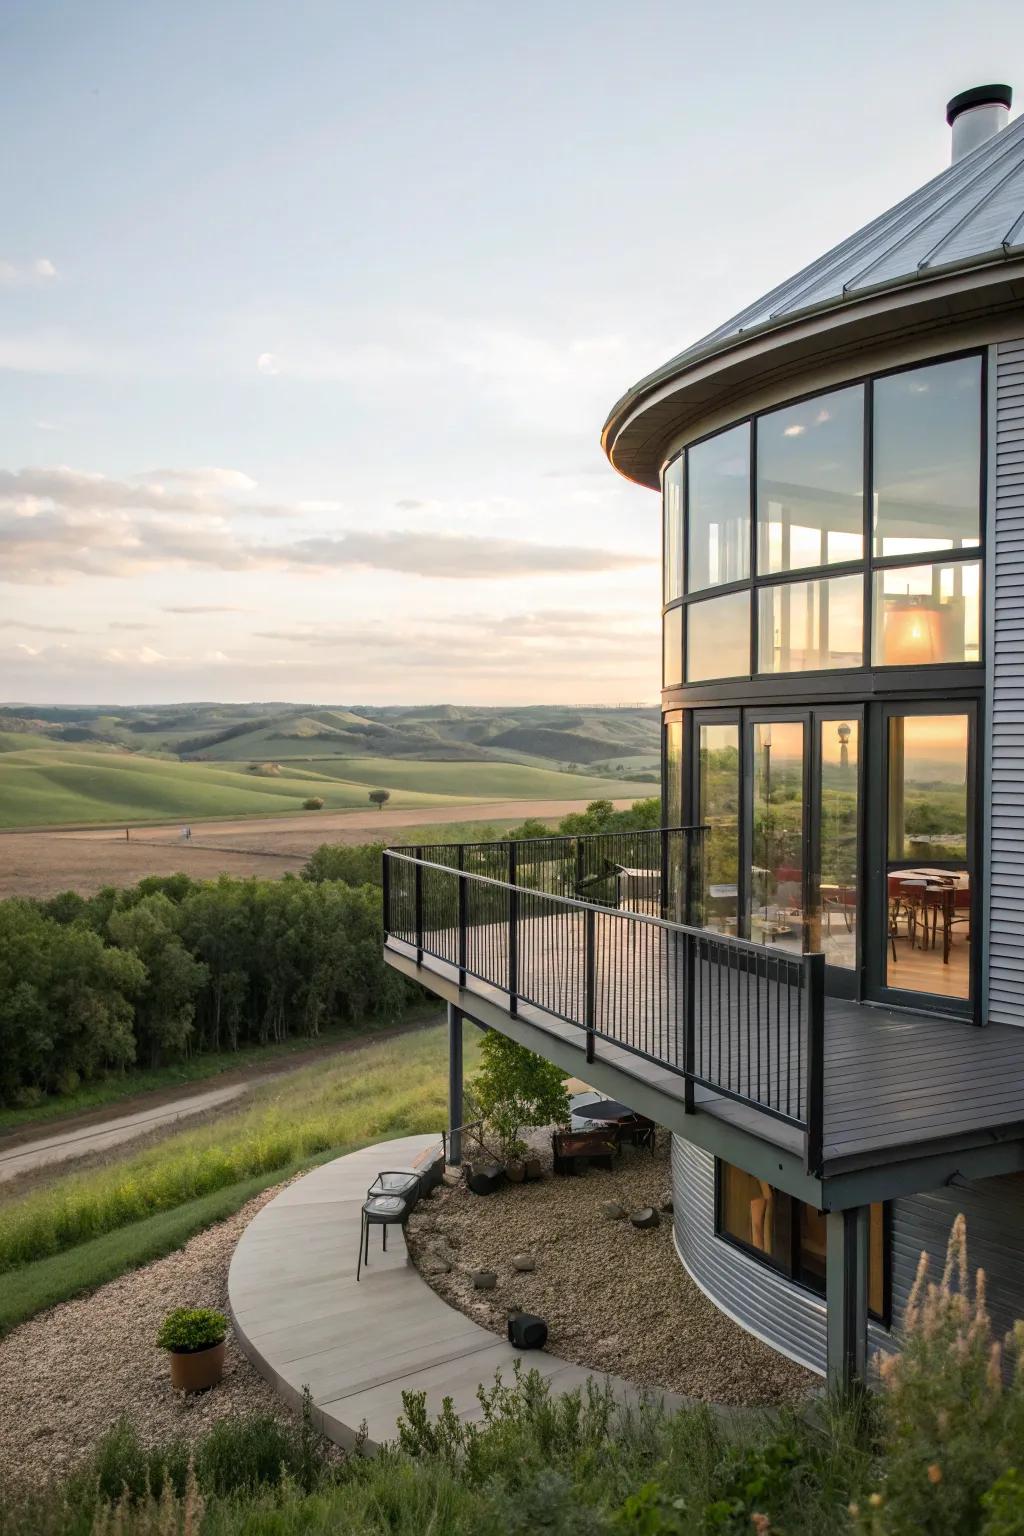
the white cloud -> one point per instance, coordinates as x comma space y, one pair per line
56, 522
20, 275
209, 477
267, 363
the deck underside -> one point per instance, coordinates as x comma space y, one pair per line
895, 1081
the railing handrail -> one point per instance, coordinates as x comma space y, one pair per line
743, 946
552, 837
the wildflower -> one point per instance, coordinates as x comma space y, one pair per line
942, 1422
762, 1525
875, 1500
914, 1301
935, 1473
995, 1367
853, 1510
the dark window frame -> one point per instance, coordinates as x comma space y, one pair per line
869, 563
791, 1270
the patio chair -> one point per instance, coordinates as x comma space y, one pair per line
389, 1202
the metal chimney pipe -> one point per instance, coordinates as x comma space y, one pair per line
976, 116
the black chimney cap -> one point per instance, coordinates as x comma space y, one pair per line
979, 96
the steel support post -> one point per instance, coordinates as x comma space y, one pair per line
846, 1296
455, 1111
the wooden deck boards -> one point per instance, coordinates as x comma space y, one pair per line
893, 1079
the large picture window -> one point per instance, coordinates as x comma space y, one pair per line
718, 512
790, 1236
672, 530
718, 637
927, 458
789, 489
810, 483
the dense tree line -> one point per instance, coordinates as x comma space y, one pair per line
173, 966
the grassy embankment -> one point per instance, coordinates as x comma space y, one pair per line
84, 1228
51, 784
198, 1070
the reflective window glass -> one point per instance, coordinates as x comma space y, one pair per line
809, 626
718, 513
925, 614
672, 790
672, 648
775, 912
718, 809
672, 530
834, 918
927, 458
810, 483
718, 637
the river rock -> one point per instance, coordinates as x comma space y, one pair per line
524, 1262
612, 1210
646, 1217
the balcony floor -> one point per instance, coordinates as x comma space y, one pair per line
896, 1082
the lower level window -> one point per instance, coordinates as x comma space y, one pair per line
789, 1235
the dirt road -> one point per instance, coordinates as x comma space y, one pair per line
86, 859
33, 1147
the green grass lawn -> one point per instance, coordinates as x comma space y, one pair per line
81, 1228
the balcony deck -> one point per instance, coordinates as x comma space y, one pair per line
896, 1083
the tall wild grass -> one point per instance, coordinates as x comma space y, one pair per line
394, 1088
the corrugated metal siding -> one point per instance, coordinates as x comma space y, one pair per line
1006, 691
792, 1318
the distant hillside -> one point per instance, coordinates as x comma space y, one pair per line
616, 742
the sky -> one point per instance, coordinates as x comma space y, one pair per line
311, 314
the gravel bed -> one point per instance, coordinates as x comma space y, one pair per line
66, 1375
614, 1297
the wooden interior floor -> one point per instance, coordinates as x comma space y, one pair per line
915, 969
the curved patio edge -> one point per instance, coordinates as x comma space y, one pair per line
304, 1322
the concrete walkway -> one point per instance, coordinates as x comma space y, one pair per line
303, 1320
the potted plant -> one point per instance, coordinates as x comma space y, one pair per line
194, 1339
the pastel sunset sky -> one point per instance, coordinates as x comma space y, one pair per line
311, 314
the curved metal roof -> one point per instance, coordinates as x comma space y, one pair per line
970, 215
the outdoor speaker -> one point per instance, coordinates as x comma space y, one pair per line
485, 1180
526, 1331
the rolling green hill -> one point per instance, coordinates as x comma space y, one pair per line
47, 783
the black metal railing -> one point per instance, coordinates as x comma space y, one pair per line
744, 1020
646, 870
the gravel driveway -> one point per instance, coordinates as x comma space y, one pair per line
66, 1375
614, 1297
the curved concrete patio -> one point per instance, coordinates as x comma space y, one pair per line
303, 1320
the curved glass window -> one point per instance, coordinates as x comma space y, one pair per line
718, 637
718, 514
672, 530
909, 536
672, 648
927, 458
810, 483
926, 614
810, 626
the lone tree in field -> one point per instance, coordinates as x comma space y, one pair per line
379, 796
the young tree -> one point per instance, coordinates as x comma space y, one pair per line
515, 1088
379, 797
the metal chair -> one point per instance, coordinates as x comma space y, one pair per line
389, 1202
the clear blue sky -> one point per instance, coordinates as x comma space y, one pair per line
310, 315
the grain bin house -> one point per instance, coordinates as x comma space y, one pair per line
814, 973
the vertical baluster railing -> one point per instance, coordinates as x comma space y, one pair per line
463, 896
418, 904
814, 983
590, 976
513, 933
385, 897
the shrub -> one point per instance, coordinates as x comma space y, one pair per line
188, 1329
952, 1425
314, 803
